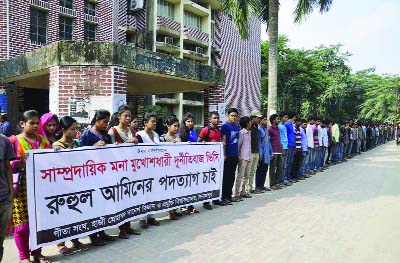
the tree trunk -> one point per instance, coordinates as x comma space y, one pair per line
273, 57
149, 30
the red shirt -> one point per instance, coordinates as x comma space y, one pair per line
214, 136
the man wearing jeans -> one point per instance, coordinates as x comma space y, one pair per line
290, 124
284, 141
230, 138
6, 187
311, 150
255, 116
276, 162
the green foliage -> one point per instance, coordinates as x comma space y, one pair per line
159, 111
319, 82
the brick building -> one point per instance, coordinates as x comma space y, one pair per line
76, 56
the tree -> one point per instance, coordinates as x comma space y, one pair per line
241, 12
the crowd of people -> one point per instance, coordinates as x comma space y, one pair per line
288, 149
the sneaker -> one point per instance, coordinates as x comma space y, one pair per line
259, 191
106, 237
235, 199
77, 245
287, 183
227, 202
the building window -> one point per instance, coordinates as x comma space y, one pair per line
197, 113
66, 28
193, 20
193, 96
67, 3
90, 32
90, 8
38, 26
165, 9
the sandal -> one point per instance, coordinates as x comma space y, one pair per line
41, 259
65, 251
79, 246
132, 231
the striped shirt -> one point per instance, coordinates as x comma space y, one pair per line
297, 139
315, 135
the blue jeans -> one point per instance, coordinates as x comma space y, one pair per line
303, 167
284, 166
318, 158
340, 155
311, 159
289, 166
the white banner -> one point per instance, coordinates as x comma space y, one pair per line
73, 193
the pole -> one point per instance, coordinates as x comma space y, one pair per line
397, 101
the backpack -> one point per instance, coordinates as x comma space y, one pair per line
205, 139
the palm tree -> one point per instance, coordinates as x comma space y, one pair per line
242, 11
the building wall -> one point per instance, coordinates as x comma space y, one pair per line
241, 61
3, 30
19, 20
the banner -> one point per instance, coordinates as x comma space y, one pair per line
73, 193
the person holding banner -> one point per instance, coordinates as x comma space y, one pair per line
211, 133
67, 141
29, 139
172, 123
49, 126
148, 135
97, 136
188, 134
122, 133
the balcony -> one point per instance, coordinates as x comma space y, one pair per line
196, 8
195, 36
92, 19
40, 4
195, 56
67, 11
170, 48
168, 26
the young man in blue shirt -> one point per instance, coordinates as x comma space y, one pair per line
230, 138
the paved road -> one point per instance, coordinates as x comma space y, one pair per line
349, 213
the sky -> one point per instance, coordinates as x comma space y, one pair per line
368, 29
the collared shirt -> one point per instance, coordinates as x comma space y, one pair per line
283, 133
245, 144
335, 132
304, 141
310, 135
290, 133
275, 137
315, 135
254, 139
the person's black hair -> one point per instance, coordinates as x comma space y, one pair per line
214, 113
292, 114
29, 114
282, 114
317, 119
183, 131
244, 121
100, 115
230, 110
115, 117
171, 120
272, 118
65, 123
298, 120
310, 118
148, 116
4, 117
303, 121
